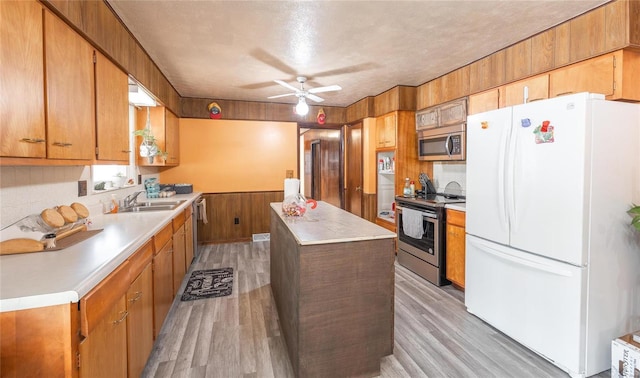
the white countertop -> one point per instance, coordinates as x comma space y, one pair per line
329, 224
42, 279
456, 206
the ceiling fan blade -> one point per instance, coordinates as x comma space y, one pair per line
282, 95
287, 85
325, 89
314, 98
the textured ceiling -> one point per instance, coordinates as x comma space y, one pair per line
235, 49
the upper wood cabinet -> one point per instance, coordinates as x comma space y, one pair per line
485, 101
164, 126
112, 111
386, 131
70, 92
537, 89
487, 72
22, 122
615, 75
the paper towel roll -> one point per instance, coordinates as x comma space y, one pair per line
291, 187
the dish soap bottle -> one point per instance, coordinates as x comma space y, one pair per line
114, 204
407, 188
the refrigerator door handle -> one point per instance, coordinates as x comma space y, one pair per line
512, 145
502, 158
531, 264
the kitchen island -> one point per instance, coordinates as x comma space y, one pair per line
332, 277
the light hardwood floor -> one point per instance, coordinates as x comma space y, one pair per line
239, 336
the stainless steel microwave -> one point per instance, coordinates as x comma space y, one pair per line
442, 143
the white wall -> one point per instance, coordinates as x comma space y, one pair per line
445, 172
29, 190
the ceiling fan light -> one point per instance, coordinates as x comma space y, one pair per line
302, 108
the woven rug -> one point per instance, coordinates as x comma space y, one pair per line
209, 283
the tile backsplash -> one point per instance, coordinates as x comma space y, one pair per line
26, 190
445, 172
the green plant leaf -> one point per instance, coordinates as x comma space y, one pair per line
635, 210
636, 222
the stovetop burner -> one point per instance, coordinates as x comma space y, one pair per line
435, 200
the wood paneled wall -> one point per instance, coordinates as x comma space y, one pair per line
369, 206
608, 28
361, 109
258, 111
397, 98
251, 209
99, 25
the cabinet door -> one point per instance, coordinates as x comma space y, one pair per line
70, 92
390, 130
103, 353
178, 258
140, 321
112, 111
22, 132
594, 75
380, 131
188, 242
484, 101
455, 270
172, 141
162, 285
538, 89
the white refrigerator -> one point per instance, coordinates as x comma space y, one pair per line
552, 260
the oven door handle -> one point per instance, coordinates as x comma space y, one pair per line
428, 215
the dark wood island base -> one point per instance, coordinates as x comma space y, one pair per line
335, 299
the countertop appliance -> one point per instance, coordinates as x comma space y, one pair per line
441, 131
424, 253
552, 260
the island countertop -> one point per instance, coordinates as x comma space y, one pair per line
329, 224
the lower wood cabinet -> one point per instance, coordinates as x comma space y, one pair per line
104, 352
179, 258
162, 285
140, 321
455, 247
188, 241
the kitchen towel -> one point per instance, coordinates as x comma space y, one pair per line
291, 187
202, 210
412, 223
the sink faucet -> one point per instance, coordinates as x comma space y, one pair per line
129, 200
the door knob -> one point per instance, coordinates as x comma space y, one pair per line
358, 188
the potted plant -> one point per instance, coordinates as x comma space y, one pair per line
148, 147
635, 213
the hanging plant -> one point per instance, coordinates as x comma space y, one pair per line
635, 213
149, 147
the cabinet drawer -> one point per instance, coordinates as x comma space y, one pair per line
162, 237
139, 260
455, 217
178, 221
99, 301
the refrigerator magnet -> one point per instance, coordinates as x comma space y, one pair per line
525, 122
484, 124
544, 133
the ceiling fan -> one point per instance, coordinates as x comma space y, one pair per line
302, 108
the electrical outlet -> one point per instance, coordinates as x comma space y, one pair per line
82, 188
236, 220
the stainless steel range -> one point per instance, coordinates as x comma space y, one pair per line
423, 251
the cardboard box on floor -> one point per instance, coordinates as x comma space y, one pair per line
625, 357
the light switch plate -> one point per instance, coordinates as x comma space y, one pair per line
82, 188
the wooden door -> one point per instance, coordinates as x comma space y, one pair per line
112, 111
316, 171
178, 258
354, 169
140, 321
22, 80
70, 92
103, 353
162, 286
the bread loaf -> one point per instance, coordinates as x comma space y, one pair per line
22, 245
68, 214
80, 209
52, 218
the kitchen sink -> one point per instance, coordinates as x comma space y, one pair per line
152, 206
